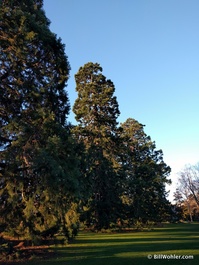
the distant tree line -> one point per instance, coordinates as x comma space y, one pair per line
55, 175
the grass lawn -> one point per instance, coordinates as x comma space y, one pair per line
133, 248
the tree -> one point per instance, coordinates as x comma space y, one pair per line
96, 111
146, 174
37, 154
96, 107
187, 192
188, 181
186, 205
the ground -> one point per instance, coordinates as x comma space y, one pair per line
129, 248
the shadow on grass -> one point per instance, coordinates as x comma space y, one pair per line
131, 248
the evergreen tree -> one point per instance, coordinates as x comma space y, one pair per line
37, 155
146, 175
97, 110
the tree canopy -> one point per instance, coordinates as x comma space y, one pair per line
125, 169
54, 175
146, 174
38, 163
97, 110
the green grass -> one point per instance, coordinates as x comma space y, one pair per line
130, 248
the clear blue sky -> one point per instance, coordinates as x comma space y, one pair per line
150, 50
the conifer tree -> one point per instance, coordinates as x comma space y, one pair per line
37, 157
96, 111
146, 175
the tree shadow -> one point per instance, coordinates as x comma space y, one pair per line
128, 248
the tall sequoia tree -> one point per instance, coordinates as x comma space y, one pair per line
37, 160
146, 175
96, 111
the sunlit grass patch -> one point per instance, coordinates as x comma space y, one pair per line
133, 248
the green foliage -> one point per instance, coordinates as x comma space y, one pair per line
38, 167
96, 110
96, 107
146, 175
51, 173
127, 174
72, 221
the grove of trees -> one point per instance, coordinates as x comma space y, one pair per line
55, 175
